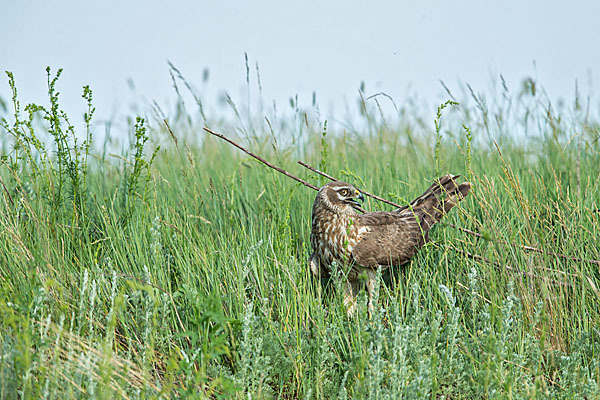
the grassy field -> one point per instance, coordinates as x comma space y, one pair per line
182, 270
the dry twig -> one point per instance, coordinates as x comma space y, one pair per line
529, 248
391, 203
477, 257
262, 160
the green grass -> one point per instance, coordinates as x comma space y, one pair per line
184, 273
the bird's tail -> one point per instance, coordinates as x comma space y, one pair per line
432, 205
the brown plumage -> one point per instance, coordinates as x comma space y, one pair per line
366, 242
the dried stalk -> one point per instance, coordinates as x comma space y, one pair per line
7, 193
477, 257
262, 160
391, 203
530, 248
171, 133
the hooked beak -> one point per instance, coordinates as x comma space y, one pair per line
355, 200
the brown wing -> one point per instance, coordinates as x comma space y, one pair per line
392, 239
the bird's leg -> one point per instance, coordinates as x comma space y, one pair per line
350, 293
371, 281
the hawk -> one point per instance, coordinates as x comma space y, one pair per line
366, 242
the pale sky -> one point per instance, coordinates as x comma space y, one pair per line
398, 47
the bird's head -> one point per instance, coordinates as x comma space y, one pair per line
340, 197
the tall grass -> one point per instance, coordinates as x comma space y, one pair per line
183, 272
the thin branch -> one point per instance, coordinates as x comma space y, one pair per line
528, 248
477, 257
551, 253
391, 203
262, 160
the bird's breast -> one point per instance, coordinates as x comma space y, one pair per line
334, 236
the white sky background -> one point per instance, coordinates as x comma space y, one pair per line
398, 47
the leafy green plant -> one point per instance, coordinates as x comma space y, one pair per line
62, 178
139, 166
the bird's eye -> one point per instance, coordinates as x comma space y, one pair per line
344, 192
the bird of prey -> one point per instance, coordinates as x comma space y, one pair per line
366, 242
